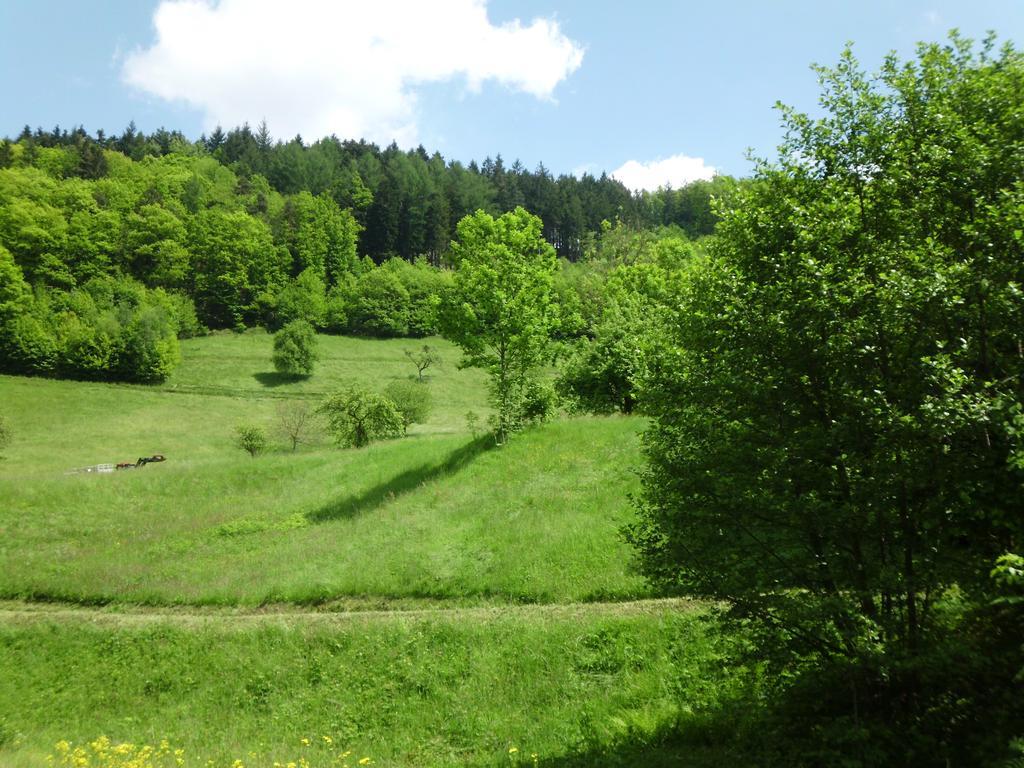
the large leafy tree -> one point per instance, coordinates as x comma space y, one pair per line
832, 400
500, 308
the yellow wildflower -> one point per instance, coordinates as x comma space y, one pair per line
513, 750
305, 742
364, 761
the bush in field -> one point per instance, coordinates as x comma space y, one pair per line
295, 350
251, 438
356, 417
539, 402
412, 399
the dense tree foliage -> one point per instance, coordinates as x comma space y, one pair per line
356, 416
295, 349
625, 296
834, 402
237, 230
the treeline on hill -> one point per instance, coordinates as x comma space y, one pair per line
112, 246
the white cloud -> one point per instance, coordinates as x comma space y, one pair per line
318, 67
674, 171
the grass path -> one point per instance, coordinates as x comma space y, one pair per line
120, 615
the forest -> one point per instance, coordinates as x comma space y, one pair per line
130, 241
821, 367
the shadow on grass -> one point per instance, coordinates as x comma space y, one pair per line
275, 379
699, 743
646, 755
398, 485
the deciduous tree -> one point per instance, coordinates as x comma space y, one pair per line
499, 309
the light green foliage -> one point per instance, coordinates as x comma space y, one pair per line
320, 236
539, 401
236, 261
356, 417
302, 299
295, 349
251, 438
336, 307
426, 286
412, 399
499, 309
149, 345
14, 291
603, 371
107, 329
155, 250
1008, 574
183, 310
831, 442
378, 304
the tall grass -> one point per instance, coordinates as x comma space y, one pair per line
404, 691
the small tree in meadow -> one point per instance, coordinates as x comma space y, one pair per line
295, 349
296, 421
412, 400
423, 358
356, 417
251, 438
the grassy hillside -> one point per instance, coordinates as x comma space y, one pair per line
447, 532
440, 517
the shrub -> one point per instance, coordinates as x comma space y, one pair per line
295, 350
538, 402
251, 438
357, 416
412, 399
149, 345
184, 311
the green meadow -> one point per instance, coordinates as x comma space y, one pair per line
428, 600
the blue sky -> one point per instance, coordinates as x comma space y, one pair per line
575, 84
